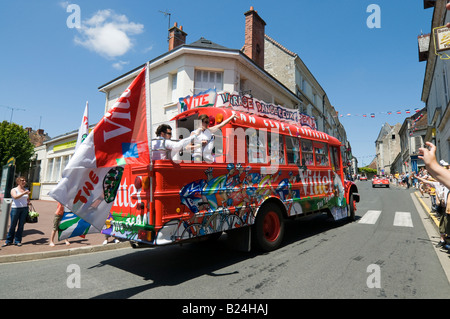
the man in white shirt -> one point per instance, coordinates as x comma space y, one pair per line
163, 147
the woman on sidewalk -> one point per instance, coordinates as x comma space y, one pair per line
19, 212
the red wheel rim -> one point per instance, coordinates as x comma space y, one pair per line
271, 226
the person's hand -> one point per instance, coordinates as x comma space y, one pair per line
428, 154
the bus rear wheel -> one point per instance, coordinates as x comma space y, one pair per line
269, 228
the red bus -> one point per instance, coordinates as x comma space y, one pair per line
258, 180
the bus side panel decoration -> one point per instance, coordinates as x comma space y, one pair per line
129, 217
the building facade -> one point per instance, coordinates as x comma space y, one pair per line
387, 147
436, 86
412, 134
189, 69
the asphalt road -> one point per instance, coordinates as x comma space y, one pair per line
387, 254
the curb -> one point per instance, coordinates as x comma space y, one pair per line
62, 253
427, 209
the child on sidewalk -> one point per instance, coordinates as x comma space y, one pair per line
56, 220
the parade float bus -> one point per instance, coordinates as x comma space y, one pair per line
270, 165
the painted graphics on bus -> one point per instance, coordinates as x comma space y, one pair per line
222, 202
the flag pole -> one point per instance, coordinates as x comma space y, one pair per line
148, 108
149, 136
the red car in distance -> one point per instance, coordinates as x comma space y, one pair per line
380, 181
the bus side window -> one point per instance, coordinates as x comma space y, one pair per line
292, 150
307, 153
335, 159
321, 152
275, 148
256, 145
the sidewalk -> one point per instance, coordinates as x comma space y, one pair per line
36, 239
425, 201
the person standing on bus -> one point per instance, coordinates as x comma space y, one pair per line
204, 142
162, 145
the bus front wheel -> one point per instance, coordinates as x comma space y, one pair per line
351, 208
268, 228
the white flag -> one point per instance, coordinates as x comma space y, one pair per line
83, 131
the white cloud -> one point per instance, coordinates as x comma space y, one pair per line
108, 34
64, 4
119, 65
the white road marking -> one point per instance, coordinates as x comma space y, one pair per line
370, 217
403, 219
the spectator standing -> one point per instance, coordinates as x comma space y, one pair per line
19, 212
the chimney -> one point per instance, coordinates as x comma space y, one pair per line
40, 132
177, 36
254, 37
28, 129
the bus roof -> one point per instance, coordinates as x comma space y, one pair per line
258, 122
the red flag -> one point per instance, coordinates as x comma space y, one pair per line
121, 136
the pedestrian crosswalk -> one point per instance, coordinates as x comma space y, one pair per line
401, 219
370, 217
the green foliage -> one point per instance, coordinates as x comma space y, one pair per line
367, 170
14, 142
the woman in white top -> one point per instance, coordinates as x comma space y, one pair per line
19, 212
204, 139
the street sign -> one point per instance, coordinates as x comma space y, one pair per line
441, 38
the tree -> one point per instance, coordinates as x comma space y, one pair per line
14, 142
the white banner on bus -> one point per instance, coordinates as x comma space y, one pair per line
245, 103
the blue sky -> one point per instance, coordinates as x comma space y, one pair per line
48, 71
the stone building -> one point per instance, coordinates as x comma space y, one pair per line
412, 136
387, 147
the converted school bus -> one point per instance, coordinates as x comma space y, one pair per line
268, 168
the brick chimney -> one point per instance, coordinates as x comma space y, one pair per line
254, 37
177, 36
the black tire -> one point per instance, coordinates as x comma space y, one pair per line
268, 230
351, 208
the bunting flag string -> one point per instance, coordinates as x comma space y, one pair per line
372, 115
414, 127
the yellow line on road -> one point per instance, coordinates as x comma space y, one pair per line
425, 206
